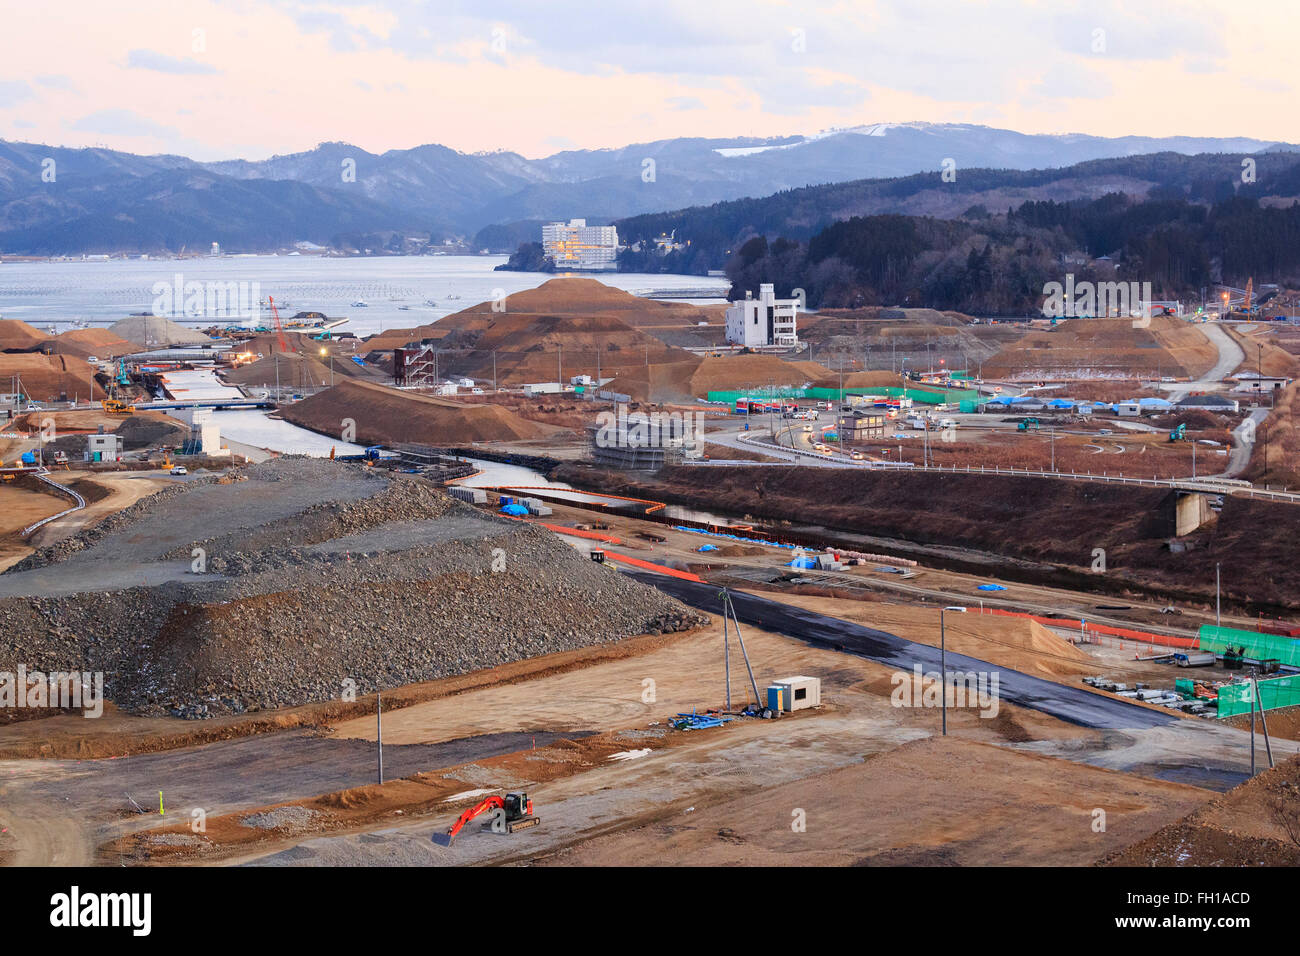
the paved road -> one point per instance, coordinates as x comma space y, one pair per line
1243, 443
1073, 705
1230, 357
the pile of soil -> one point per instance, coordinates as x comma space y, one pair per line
321, 577
291, 370
47, 377
156, 332
1255, 824
1100, 348
18, 336
696, 377
84, 343
385, 415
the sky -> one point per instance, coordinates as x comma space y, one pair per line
221, 79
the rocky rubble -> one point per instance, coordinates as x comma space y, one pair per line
401, 586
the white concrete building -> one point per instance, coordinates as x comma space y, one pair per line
764, 321
577, 246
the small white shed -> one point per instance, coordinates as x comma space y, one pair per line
799, 693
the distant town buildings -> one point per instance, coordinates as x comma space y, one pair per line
576, 246
764, 321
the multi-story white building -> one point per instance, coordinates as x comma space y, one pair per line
766, 320
577, 246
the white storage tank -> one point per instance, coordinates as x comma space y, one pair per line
800, 693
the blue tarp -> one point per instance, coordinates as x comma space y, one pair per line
991, 587
517, 510
707, 547
802, 563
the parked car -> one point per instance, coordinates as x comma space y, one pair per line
180, 470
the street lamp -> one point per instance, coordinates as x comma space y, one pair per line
323, 352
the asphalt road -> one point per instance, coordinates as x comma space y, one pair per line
1074, 705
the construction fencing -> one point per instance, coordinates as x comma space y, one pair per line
1273, 692
1260, 647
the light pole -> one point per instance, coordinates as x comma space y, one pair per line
323, 352
943, 667
1218, 617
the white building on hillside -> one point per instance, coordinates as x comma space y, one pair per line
766, 320
578, 246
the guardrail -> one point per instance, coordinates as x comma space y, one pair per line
80, 503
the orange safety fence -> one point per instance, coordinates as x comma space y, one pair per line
1145, 637
578, 533
638, 563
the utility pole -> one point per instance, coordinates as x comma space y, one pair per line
379, 734
943, 666
559, 366
494, 370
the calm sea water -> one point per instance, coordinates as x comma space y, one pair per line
397, 290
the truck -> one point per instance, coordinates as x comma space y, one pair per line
917, 423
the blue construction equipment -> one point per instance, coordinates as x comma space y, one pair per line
1179, 433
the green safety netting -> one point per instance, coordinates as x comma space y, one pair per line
1273, 692
1258, 646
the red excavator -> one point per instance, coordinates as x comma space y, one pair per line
510, 813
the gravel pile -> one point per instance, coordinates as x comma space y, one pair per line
402, 584
281, 818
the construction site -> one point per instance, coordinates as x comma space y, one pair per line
922, 613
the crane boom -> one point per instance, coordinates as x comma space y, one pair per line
279, 328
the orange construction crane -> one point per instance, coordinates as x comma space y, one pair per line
510, 813
279, 327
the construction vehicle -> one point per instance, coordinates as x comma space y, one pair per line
115, 406
1179, 433
512, 812
1028, 424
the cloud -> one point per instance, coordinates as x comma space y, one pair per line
121, 123
685, 103
162, 63
56, 81
13, 92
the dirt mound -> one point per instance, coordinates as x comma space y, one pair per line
1102, 348
518, 348
573, 296
83, 343
19, 336
695, 378
323, 577
387, 415
156, 332
290, 369
47, 378
1254, 824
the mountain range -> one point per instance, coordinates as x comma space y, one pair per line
337, 194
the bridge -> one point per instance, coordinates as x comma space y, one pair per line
208, 403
